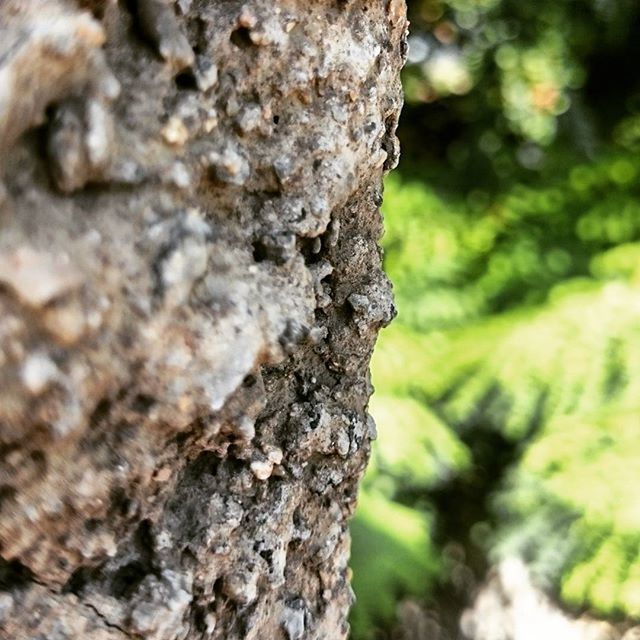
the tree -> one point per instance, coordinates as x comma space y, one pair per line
190, 290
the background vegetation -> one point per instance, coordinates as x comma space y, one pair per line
508, 388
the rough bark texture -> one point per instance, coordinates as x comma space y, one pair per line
190, 290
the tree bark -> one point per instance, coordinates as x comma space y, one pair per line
190, 290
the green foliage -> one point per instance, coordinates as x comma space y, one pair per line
513, 242
392, 555
415, 448
489, 255
571, 357
519, 60
560, 379
581, 474
391, 558
621, 262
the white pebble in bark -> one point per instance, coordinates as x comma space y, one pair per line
99, 133
249, 118
210, 622
38, 372
178, 175
243, 585
37, 277
246, 428
229, 166
160, 605
175, 133
274, 454
159, 23
6, 605
183, 267
262, 469
293, 622
206, 73
164, 540
65, 322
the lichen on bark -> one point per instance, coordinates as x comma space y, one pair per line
190, 290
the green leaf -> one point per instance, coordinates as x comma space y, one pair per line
392, 557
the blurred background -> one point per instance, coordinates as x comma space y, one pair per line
503, 497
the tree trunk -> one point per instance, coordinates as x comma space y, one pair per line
190, 290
